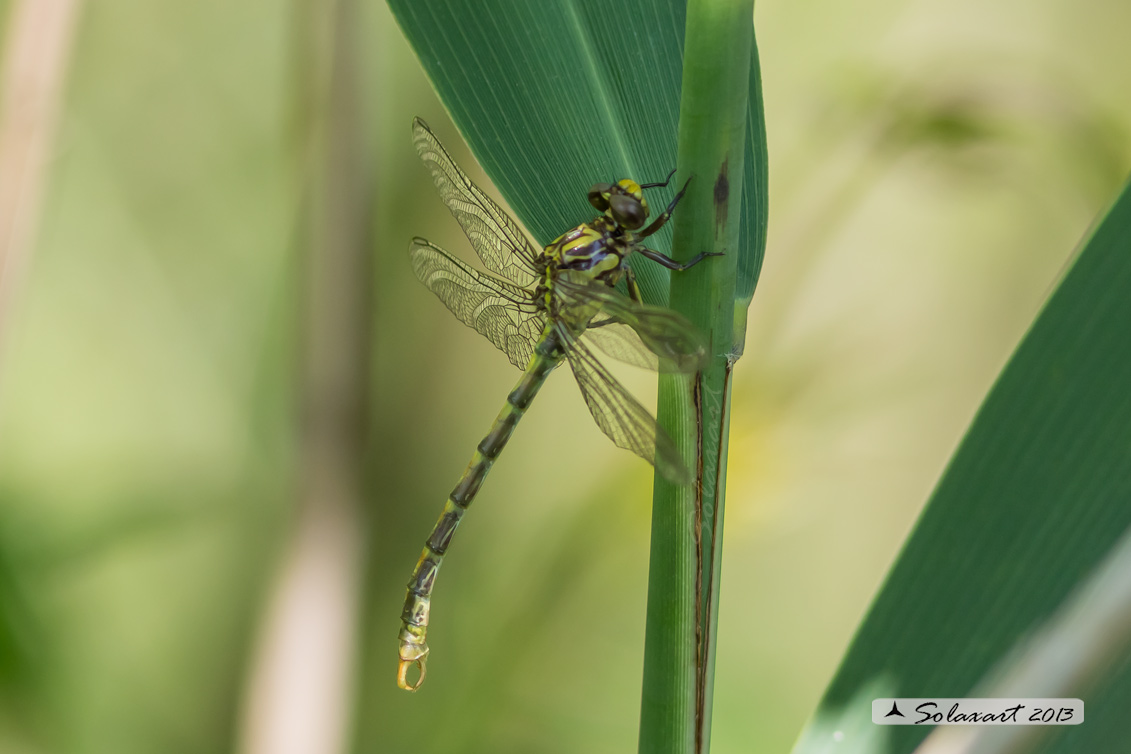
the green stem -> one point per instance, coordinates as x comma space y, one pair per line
683, 577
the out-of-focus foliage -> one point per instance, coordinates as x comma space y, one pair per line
932, 165
1032, 502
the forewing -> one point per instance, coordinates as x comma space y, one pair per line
659, 339
502, 312
618, 414
497, 239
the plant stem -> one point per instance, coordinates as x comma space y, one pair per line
683, 577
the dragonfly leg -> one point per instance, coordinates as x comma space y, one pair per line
633, 288
667, 213
670, 263
659, 185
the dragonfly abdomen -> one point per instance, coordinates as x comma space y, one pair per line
414, 618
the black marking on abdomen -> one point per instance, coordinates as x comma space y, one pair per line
441, 536
465, 491
493, 444
415, 611
424, 577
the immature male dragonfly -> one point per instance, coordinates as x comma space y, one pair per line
545, 307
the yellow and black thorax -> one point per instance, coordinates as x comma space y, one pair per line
598, 249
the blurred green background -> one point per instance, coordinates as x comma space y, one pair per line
932, 166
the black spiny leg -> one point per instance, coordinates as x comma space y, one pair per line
659, 185
670, 263
663, 218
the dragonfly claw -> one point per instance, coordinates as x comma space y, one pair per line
402, 674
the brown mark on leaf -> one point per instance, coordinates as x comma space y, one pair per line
700, 618
722, 195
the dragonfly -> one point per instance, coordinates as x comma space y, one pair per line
542, 307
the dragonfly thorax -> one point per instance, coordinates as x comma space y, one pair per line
597, 249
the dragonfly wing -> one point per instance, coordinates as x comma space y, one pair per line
504, 313
499, 242
618, 414
649, 336
619, 341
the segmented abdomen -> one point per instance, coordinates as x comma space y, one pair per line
414, 618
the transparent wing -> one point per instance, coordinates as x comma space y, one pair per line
497, 239
619, 341
648, 336
504, 313
618, 414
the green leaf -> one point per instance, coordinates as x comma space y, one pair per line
555, 96
1035, 496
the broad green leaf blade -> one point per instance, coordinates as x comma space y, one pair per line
553, 97
1063, 659
1037, 493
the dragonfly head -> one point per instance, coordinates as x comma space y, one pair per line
623, 201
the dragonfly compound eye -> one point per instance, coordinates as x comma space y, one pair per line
599, 196
628, 211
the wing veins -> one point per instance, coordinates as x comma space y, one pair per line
504, 313
497, 239
618, 414
674, 343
